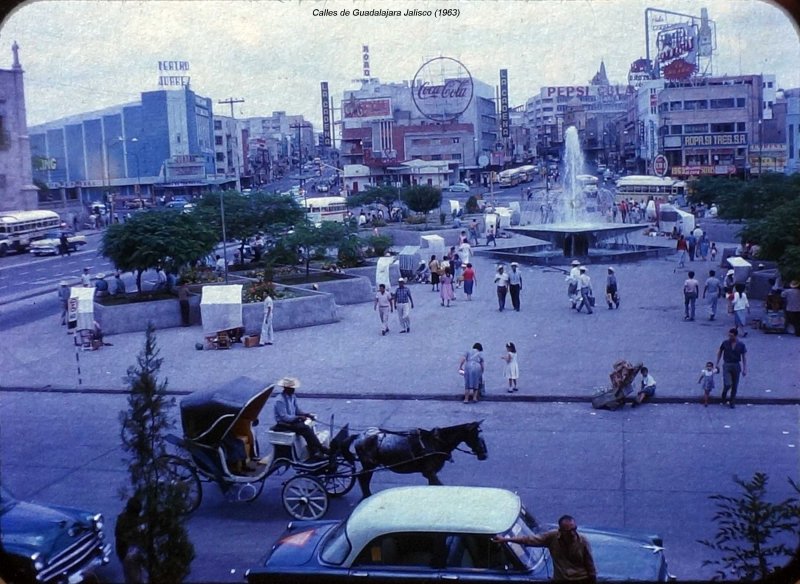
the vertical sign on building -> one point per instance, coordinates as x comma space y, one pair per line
504, 121
365, 59
326, 114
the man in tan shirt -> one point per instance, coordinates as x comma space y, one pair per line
571, 553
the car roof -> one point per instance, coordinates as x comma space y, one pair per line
433, 508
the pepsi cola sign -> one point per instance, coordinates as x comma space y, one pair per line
442, 89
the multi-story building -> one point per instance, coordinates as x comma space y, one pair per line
707, 126
160, 145
275, 145
383, 130
17, 191
792, 99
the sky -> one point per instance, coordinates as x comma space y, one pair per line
80, 56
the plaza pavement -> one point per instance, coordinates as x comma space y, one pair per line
563, 355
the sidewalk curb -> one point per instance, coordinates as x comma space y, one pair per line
498, 398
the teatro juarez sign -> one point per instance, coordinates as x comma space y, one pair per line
442, 89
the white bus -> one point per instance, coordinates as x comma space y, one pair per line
319, 209
530, 172
588, 184
510, 177
19, 228
643, 188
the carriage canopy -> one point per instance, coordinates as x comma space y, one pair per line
207, 416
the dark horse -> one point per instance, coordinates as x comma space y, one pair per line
410, 451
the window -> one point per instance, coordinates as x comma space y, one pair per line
676, 106
695, 104
725, 127
723, 103
217, 124
456, 140
220, 157
218, 140
421, 550
769, 84
695, 128
739, 102
741, 127
676, 129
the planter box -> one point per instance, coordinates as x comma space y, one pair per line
348, 290
133, 317
308, 310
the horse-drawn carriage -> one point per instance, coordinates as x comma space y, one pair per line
213, 421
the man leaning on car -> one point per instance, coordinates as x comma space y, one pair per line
571, 553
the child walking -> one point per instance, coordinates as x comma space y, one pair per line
511, 370
713, 251
706, 381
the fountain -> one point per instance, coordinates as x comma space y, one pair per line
576, 233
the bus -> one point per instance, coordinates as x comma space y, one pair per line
643, 188
19, 228
530, 172
588, 183
319, 209
510, 177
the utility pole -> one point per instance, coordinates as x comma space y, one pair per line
231, 101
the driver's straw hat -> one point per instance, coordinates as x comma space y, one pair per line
288, 382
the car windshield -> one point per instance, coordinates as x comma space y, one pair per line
337, 546
535, 559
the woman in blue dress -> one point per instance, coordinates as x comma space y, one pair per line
472, 368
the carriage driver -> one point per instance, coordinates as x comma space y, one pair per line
289, 417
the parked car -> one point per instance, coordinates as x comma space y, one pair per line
49, 544
441, 533
49, 244
322, 187
458, 187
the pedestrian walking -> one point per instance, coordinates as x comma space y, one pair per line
791, 299
457, 268
403, 303
703, 246
472, 367
383, 304
435, 268
63, 298
465, 252
713, 251
683, 250
86, 278
511, 369
691, 245
490, 237
569, 550
501, 281
691, 290
63, 245
183, 300
470, 281
514, 285
573, 279
446, 292
706, 380
585, 286
267, 334
712, 291
612, 295
741, 308
473, 233
733, 353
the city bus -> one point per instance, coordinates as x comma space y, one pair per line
510, 177
588, 183
643, 188
319, 209
530, 172
19, 228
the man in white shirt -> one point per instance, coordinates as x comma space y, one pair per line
585, 286
572, 283
501, 280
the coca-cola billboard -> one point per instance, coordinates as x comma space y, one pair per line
442, 89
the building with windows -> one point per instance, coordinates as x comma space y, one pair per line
17, 191
382, 130
792, 100
162, 144
707, 126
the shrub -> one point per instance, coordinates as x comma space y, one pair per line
415, 219
472, 205
379, 244
351, 252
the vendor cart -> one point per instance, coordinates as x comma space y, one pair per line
221, 315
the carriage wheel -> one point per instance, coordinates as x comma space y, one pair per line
304, 497
181, 473
339, 478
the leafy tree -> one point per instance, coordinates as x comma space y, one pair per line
778, 236
167, 550
422, 198
472, 205
351, 251
170, 239
749, 530
380, 244
386, 195
307, 239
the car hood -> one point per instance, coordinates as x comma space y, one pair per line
298, 544
27, 528
622, 556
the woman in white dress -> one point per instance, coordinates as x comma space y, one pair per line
511, 370
266, 325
